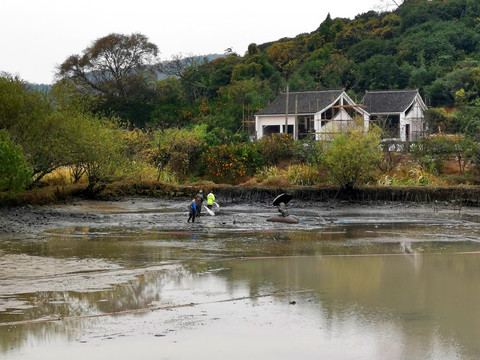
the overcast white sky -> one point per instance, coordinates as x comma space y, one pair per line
38, 35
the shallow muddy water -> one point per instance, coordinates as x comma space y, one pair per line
133, 279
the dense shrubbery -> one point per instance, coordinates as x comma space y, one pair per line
179, 150
231, 163
15, 175
295, 174
54, 134
351, 159
276, 148
432, 152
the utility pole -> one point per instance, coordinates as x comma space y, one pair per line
286, 110
295, 125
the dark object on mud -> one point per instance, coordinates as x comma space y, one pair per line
284, 219
285, 198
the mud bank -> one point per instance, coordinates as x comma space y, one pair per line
425, 195
466, 196
458, 196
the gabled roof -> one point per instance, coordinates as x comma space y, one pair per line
309, 102
388, 101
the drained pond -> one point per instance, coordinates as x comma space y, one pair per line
132, 279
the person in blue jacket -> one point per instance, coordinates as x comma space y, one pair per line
199, 202
192, 210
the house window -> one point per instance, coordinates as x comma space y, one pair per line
305, 127
336, 108
328, 114
389, 124
268, 130
289, 129
409, 109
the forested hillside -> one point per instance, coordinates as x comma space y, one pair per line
430, 45
113, 112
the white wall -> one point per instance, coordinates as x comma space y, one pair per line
264, 120
415, 119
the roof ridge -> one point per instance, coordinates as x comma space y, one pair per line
384, 91
313, 91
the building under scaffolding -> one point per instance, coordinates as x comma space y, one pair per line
400, 113
315, 115
320, 115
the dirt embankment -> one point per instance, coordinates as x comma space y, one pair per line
462, 196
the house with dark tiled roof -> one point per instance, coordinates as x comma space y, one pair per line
312, 115
399, 112
321, 114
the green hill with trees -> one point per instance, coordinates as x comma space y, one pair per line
110, 116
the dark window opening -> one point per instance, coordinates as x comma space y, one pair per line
389, 124
351, 111
409, 109
289, 129
306, 127
268, 130
336, 108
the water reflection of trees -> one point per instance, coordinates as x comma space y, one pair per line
386, 292
65, 305
441, 293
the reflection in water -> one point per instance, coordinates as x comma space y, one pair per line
341, 292
421, 305
144, 247
426, 298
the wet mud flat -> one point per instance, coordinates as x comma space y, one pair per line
151, 212
133, 278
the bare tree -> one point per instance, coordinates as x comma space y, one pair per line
177, 65
189, 71
386, 5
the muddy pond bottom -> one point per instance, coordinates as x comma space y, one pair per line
349, 285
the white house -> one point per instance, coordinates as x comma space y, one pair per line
401, 112
321, 114
311, 115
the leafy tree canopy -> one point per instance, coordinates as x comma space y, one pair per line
113, 65
119, 69
15, 174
